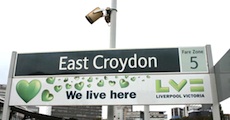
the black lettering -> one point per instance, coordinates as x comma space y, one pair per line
72, 95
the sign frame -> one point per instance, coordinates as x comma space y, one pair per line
210, 66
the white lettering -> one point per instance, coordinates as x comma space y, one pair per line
78, 64
105, 62
71, 64
115, 61
154, 60
134, 61
95, 62
123, 64
100, 62
142, 64
86, 60
61, 63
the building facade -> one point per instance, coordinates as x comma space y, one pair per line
196, 111
2, 90
177, 113
78, 112
2, 97
134, 115
157, 115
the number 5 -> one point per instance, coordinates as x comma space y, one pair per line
192, 60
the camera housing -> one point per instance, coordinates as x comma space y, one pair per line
94, 15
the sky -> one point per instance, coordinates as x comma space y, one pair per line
60, 25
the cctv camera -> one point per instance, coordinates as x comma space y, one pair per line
94, 15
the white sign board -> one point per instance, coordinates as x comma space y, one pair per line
112, 77
112, 90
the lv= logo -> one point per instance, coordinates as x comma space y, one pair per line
179, 86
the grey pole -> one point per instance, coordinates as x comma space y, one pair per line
6, 107
215, 105
146, 112
113, 23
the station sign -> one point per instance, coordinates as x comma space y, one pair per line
192, 59
112, 77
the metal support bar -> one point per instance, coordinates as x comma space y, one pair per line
6, 107
111, 110
113, 24
146, 112
215, 105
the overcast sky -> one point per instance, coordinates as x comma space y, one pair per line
60, 25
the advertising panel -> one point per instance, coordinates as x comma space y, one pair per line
112, 90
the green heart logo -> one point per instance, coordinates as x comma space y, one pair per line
90, 79
112, 83
148, 76
27, 91
68, 86
124, 83
89, 85
76, 77
50, 80
79, 86
100, 83
105, 77
57, 88
133, 78
66, 80
47, 96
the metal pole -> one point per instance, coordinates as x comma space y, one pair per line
113, 24
111, 109
146, 112
6, 107
215, 105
